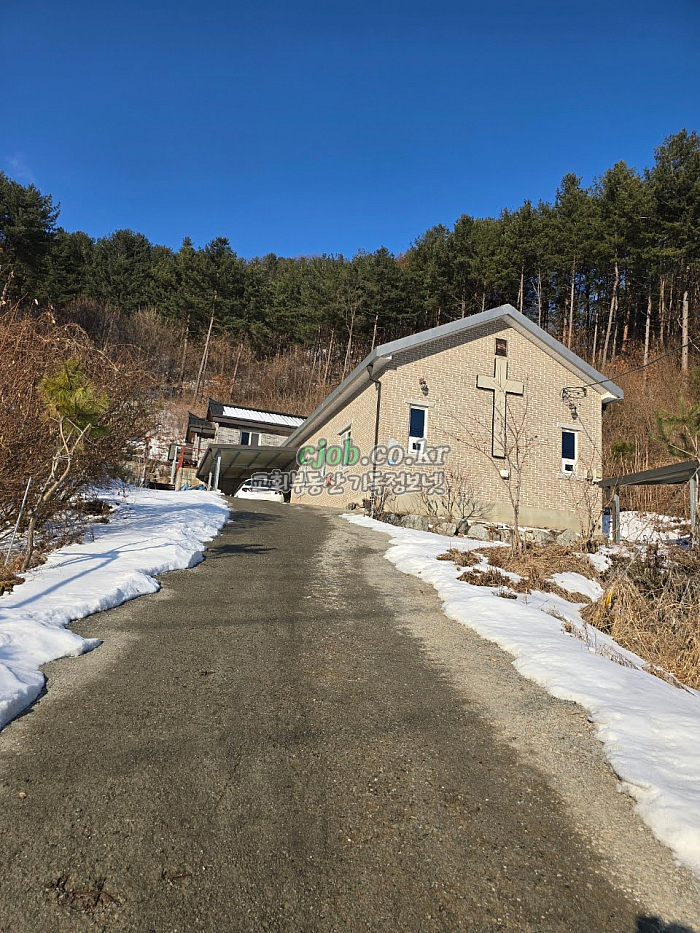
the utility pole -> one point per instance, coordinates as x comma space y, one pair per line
203, 364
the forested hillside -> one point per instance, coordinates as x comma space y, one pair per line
612, 270
599, 267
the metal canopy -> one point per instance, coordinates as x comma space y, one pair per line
228, 465
672, 474
661, 476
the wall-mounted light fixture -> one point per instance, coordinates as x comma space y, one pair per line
570, 395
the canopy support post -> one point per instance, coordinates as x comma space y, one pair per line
617, 535
173, 468
694, 509
218, 470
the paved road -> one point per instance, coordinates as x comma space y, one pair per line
271, 744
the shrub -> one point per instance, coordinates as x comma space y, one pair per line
69, 416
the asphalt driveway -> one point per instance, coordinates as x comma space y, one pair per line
291, 737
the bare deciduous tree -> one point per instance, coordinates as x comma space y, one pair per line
458, 502
518, 443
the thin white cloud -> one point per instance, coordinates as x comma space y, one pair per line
18, 169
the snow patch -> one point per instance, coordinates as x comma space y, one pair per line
151, 532
577, 583
600, 560
649, 527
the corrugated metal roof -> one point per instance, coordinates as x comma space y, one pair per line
262, 417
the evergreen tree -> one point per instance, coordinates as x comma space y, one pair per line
27, 228
605, 269
69, 267
675, 181
461, 267
622, 201
679, 430
122, 273
429, 274
575, 221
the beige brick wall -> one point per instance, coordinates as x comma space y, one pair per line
460, 414
359, 414
228, 435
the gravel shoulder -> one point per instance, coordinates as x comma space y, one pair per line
550, 735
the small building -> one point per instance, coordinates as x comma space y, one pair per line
507, 414
254, 427
245, 441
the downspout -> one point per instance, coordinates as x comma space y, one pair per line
378, 384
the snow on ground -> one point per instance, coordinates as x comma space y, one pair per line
650, 527
600, 559
150, 532
649, 728
577, 583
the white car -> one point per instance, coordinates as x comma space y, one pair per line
258, 489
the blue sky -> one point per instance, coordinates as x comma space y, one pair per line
302, 128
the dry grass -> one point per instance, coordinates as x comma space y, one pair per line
536, 565
487, 577
539, 562
652, 607
505, 586
460, 558
8, 580
584, 635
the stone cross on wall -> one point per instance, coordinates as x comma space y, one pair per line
501, 386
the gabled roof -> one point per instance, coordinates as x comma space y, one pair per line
380, 357
220, 411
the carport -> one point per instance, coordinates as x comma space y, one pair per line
670, 475
226, 466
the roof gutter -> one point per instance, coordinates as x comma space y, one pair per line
352, 383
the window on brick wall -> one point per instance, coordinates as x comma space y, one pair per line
250, 439
417, 424
501, 347
569, 451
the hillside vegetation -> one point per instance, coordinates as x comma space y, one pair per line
612, 270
